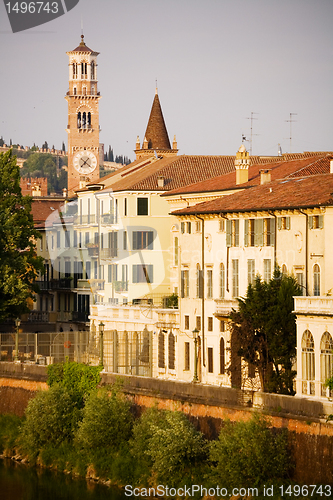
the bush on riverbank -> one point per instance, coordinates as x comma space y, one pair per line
9, 430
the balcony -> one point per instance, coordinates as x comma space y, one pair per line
80, 316
108, 219
224, 307
41, 317
108, 253
84, 220
314, 306
90, 285
93, 249
62, 284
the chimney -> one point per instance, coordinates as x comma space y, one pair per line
331, 167
83, 182
160, 181
265, 175
137, 144
242, 163
174, 143
64, 192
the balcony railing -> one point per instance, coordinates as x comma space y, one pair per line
80, 316
108, 253
224, 306
93, 250
83, 220
107, 219
90, 285
42, 317
60, 284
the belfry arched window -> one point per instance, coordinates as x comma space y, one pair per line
92, 67
79, 119
84, 119
326, 357
89, 119
308, 363
74, 70
84, 70
316, 280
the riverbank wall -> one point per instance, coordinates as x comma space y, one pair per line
311, 437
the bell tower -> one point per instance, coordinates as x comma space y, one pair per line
83, 117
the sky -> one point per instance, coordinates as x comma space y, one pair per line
215, 62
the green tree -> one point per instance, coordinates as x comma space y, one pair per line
263, 331
19, 264
249, 454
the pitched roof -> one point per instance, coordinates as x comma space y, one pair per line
83, 47
284, 167
293, 192
156, 132
176, 171
42, 208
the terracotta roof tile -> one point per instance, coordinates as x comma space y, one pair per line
156, 132
42, 209
297, 192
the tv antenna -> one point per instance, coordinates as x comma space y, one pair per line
251, 118
291, 121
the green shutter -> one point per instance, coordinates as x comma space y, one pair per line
258, 232
229, 233
272, 229
237, 233
287, 222
310, 222
246, 232
150, 240
279, 222
321, 221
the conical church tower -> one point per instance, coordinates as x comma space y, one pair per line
156, 139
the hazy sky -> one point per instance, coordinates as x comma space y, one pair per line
215, 61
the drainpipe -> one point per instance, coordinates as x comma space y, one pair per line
306, 249
203, 288
275, 237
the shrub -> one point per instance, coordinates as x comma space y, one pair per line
169, 443
9, 430
107, 420
51, 418
249, 453
79, 379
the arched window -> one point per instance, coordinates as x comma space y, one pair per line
326, 346
92, 68
284, 269
84, 119
308, 363
79, 119
74, 70
222, 281
74, 90
316, 280
161, 352
171, 349
89, 119
222, 356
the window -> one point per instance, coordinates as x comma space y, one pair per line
125, 240
92, 70
176, 251
112, 273
124, 277
143, 273
235, 278
209, 283
222, 281
326, 366
67, 268
221, 225
188, 227
255, 230
283, 223
300, 281
251, 264
222, 355
210, 324
171, 349
198, 322
75, 239
161, 353
316, 221
233, 233
185, 283
267, 270
187, 356
316, 280
113, 243
142, 206
96, 238
198, 282
198, 227
86, 238
58, 239
186, 322
308, 363
210, 360
182, 227
143, 240
125, 207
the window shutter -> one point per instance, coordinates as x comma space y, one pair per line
182, 287
287, 222
272, 229
150, 240
279, 222
135, 273
229, 233
310, 222
236, 233
320, 221
135, 240
258, 232
200, 284
246, 232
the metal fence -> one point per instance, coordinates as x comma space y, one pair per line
128, 352
54, 347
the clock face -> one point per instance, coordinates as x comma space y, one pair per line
85, 162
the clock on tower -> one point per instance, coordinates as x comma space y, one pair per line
83, 117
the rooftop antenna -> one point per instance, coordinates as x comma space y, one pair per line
156, 91
251, 118
291, 121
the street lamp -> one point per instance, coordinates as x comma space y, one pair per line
17, 324
101, 342
195, 337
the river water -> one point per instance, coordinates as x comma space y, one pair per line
21, 482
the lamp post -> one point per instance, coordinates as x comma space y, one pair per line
17, 325
195, 337
101, 342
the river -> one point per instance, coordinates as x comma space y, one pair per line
21, 482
